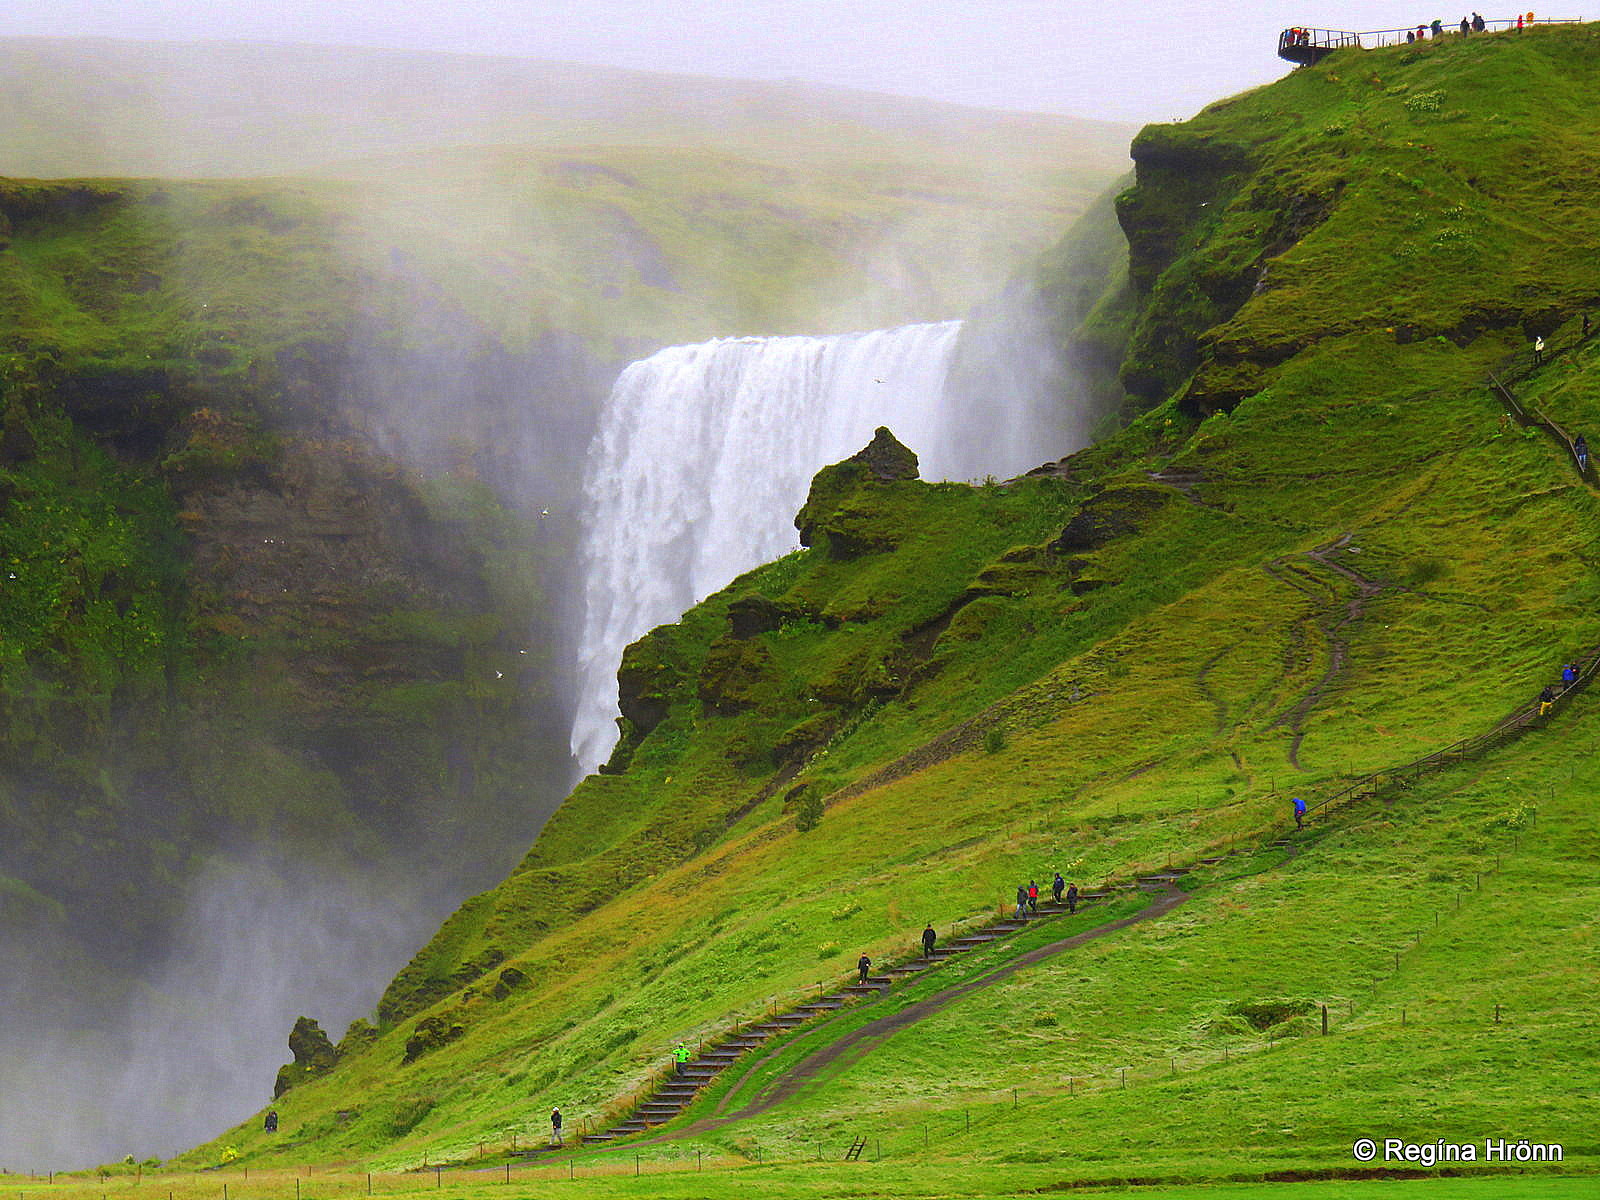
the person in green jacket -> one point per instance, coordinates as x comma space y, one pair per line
682, 1056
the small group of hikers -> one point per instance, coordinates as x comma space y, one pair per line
1028, 896
1569, 676
1468, 25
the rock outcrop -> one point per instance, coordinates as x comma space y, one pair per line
825, 517
313, 1054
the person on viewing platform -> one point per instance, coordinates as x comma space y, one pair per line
863, 965
1410, 37
1437, 27
1299, 813
1478, 23
1466, 27
1072, 899
1056, 885
1519, 22
1546, 699
929, 937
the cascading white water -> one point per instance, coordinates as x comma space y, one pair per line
705, 453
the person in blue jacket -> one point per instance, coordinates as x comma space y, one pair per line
1569, 675
1299, 813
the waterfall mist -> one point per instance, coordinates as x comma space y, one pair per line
153, 1068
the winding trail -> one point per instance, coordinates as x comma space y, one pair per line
1333, 625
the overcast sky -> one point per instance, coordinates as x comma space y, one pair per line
1140, 60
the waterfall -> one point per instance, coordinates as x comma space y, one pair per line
704, 453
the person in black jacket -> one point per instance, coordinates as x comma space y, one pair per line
1072, 899
928, 939
1056, 885
863, 965
555, 1126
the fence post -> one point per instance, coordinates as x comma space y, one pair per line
1324, 1020
1497, 1014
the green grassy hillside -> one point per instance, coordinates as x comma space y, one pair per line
1320, 550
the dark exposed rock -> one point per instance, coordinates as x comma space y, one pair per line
753, 613
510, 980
1111, 514
430, 1034
645, 681
886, 458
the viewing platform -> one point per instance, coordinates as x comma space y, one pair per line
1304, 46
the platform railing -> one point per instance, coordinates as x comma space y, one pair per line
1371, 39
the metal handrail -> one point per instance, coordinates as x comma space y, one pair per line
1370, 39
